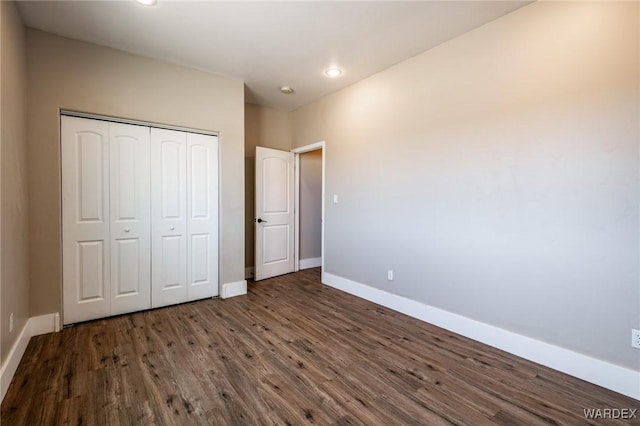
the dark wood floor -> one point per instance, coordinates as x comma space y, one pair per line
291, 352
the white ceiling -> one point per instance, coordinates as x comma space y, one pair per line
269, 44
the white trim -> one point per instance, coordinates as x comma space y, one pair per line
307, 148
602, 373
13, 359
296, 252
219, 230
44, 324
313, 262
33, 327
237, 288
248, 273
296, 212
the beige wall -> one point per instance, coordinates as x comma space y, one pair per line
311, 204
266, 127
14, 277
498, 175
269, 128
68, 74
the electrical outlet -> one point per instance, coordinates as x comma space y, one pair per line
11, 323
390, 275
635, 338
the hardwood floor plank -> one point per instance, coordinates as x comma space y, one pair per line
290, 352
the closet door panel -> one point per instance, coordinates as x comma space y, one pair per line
126, 272
130, 218
202, 211
90, 273
85, 219
172, 257
169, 217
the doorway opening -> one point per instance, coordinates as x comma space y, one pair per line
309, 206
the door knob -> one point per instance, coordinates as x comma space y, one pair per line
260, 220
126, 229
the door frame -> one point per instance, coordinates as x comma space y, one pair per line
296, 217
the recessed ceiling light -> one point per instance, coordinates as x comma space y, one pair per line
147, 2
333, 72
286, 89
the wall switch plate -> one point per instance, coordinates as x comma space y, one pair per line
335, 198
390, 275
635, 338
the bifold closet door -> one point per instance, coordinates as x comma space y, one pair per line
169, 217
106, 218
140, 217
130, 218
85, 219
202, 216
184, 173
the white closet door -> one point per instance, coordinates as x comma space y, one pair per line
130, 218
274, 233
85, 219
169, 217
202, 213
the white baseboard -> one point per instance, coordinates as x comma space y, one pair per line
602, 373
314, 262
34, 326
237, 288
248, 273
44, 324
13, 359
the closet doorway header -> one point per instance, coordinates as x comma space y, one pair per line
111, 119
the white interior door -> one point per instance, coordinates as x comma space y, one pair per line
274, 233
130, 218
85, 219
169, 217
202, 213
